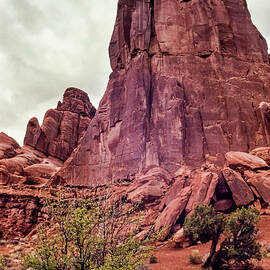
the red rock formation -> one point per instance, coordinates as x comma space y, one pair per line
190, 83
187, 81
63, 127
19, 214
46, 147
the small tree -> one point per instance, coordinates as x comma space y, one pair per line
240, 230
240, 245
205, 225
90, 235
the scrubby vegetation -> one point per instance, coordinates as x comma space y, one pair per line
240, 231
195, 257
2, 263
89, 235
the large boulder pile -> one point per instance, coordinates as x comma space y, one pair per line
168, 199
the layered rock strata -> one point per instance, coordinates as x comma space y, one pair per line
189, 83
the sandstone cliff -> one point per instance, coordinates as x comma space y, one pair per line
188, 78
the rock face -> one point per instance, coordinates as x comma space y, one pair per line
63, 127
47, 146
19, 214
188, 84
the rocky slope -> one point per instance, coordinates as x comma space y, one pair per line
185, 103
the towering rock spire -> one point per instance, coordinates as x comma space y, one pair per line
188, 78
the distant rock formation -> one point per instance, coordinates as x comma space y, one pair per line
62, 128
188, 78
46, 147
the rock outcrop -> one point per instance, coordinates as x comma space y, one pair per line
189, 83
62, 128
46, 147
185, 103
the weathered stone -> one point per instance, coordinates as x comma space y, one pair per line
241, 193
18, 215
62, 128
8, 146
173, 192
179, 236
39, 173
241, 159
262, 184
188, 77
172, 212
148, 187
203, 188
77, 101
263, 153
223, 205
257, 205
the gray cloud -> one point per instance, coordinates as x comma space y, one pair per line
48, 45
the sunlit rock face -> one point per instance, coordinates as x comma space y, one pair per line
188, 78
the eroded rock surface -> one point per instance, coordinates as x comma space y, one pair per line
46, 147
62, 128
188, 84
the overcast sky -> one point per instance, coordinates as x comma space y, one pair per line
49, 45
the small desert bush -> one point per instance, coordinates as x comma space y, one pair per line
153, 259
239, 249
195, 257
2, 263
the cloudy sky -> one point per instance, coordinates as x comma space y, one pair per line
49, 45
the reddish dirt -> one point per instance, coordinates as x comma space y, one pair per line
171, 258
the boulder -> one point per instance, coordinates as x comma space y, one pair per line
149, 186
223, 205
262, 184
8, 146
39, 173
172, 192
203, 188
241, 159
263, 153
178, 237
241, 192
172, 212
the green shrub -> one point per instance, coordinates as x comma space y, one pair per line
195, 258
205, 225
90, 235
240, 230
2, 263
240, 245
